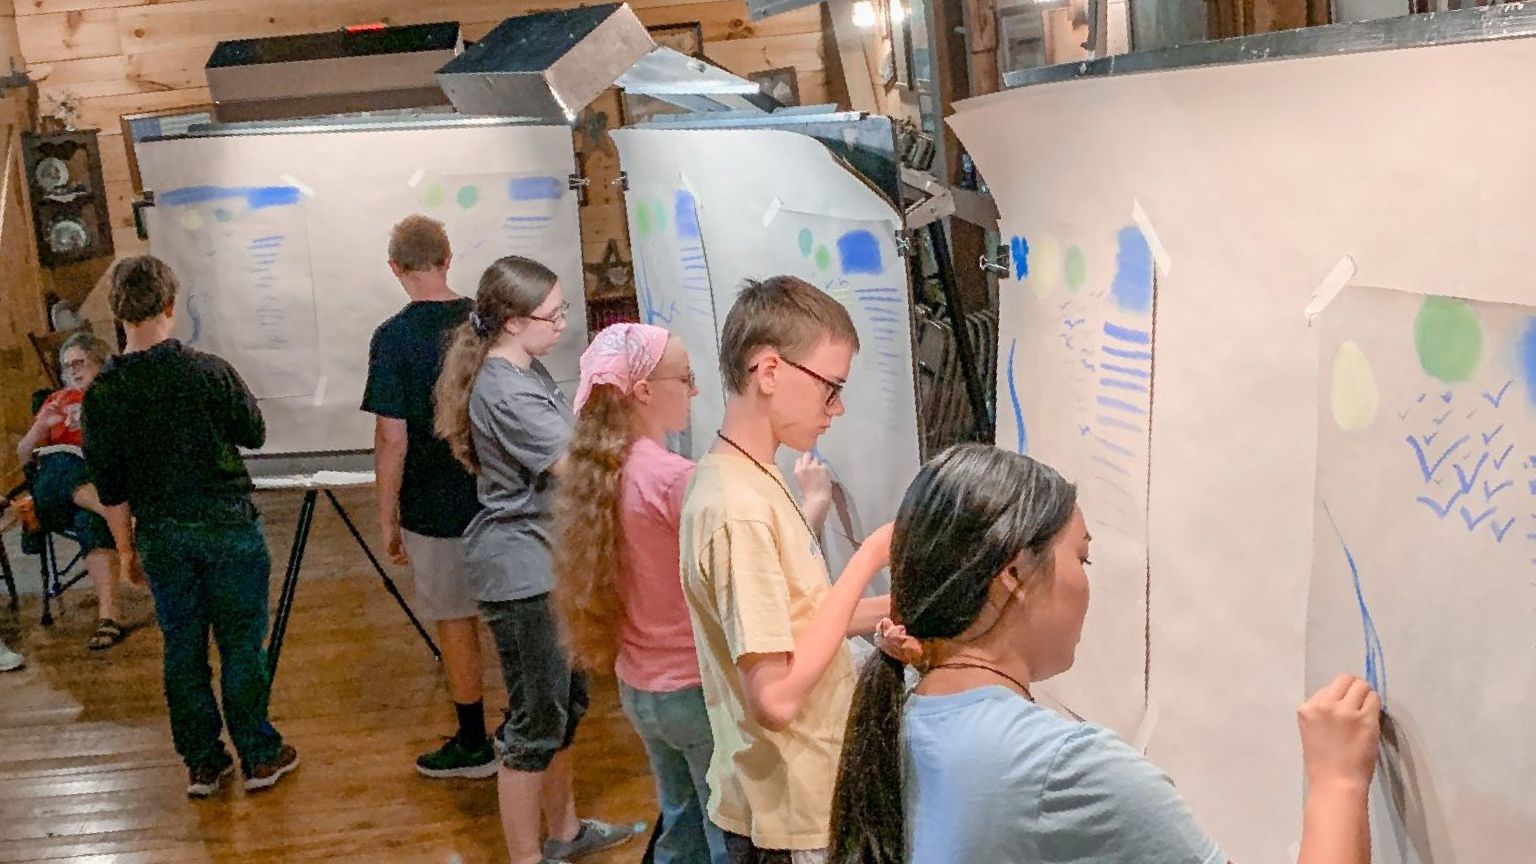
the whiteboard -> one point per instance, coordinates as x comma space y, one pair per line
769, 203
280, 244
1256, 182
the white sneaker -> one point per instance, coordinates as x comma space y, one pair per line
10, 661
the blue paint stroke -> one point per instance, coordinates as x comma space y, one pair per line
1018, 249
195, 315
1116, 467
1525, 358
1441, 511
1125, 370
1113, 447
535, 189
1117, 384
1013, 394
1498, 462
1118, 405
1375, 658
1132, 286
1126, 355
1126, 334
1427, 469
256, 197
1117, 423
685, 215
859, 252
1498, 532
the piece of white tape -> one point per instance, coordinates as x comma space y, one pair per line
416, 178
295, 183
1144, 730
320, 391
772, 212
1159, 251
1329, 288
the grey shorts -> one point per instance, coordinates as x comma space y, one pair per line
546, 699
442, 588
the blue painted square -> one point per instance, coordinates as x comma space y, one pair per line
1018, 249
685, 215
859, 252
535, 189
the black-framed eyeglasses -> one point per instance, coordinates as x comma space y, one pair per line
834, 389
77, 364
687, 378
558, 317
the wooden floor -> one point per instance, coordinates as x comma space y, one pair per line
87, 772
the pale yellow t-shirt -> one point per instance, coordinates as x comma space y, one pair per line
754, 577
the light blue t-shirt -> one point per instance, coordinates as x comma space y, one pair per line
992, 777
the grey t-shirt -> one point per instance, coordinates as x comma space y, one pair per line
521, 425
990, 776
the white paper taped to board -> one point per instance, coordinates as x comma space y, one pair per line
288, 282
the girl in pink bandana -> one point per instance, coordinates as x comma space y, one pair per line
616, 568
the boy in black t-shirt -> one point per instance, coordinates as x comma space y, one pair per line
163, 424
426, 498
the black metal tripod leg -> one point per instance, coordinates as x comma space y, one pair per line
290, 581
389, 584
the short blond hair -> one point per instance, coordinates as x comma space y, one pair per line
419, 243
784, 313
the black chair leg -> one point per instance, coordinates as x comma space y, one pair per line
9, 575
50, 579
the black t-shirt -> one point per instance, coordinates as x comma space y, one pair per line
162, 431
437, 495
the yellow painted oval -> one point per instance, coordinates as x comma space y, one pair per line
1355, 396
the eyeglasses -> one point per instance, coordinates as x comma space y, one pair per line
558, 317
687, 378
77, 364
834, 389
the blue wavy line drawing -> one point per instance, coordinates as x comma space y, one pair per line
1375, 658
1013, 394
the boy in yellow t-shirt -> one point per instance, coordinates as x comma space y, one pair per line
769, 625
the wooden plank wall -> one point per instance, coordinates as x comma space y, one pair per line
107, 58
21, 303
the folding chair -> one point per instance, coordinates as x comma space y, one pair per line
38, 539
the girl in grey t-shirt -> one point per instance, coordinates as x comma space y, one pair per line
988, 582
505, 419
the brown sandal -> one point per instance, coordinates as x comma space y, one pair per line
108, 633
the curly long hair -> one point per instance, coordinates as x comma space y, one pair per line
591, 534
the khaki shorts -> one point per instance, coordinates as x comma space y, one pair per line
442, 590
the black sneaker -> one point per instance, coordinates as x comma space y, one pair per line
266, 775
457, 759
202, 782
594, 836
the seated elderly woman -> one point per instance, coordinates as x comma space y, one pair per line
61, 487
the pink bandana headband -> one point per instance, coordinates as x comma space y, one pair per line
621, 355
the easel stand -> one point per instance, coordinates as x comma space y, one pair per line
296, 561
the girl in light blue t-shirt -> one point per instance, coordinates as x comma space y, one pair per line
988, 583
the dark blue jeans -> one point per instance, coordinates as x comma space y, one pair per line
212, 576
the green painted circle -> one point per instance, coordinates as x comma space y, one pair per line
433, 196
807, 241
1449, 338
643, 219
823, 257
221, 214
1077, 270
468, 196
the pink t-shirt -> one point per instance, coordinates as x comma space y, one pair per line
656, 650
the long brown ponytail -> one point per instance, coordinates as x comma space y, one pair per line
591, 534
512, 287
